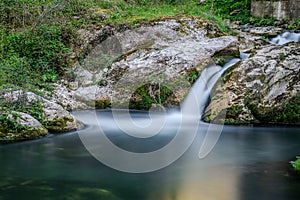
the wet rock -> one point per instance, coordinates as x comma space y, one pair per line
262, 89
55, 117
248, 43
73, 85
66, 98
26, 127
265, 31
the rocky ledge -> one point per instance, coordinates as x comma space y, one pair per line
153, 64
262, 89
19, 125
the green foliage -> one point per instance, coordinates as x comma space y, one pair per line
294, 25
37, 36
267, 21
101, 104
193, 76
148, 10
32, 57
149, 94
8, 123
296, 164
34, 108
287, 113
235, 10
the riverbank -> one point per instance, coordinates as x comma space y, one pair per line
52, 59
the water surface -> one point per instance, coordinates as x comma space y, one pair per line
246, 163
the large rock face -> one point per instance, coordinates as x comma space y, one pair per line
263, 89
135, 64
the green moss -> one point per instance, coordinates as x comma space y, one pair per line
101, 104
58, 125
193, 76
11, 130
287, 113
233, 112
227, 54
92, 193
148, 95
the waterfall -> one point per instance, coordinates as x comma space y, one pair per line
203, 86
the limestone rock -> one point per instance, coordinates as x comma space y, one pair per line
265, 31
29, 127
263, 89
55, 117
163, 53
66, 97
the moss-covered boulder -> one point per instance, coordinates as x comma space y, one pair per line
19, 126
55, 117
52, 115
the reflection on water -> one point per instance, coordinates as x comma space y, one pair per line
247, 163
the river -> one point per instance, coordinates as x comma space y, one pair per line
246, 163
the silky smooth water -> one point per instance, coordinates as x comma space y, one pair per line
286, 37
246, 163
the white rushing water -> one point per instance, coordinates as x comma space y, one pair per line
204, 84
286, 37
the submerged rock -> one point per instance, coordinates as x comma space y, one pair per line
262, 89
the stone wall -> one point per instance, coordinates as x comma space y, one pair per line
284, 9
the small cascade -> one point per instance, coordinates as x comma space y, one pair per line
244, 56
202, 87
286, 37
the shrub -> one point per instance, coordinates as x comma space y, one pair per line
296, 164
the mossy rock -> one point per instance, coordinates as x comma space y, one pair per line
102, 104
148, 95
92, 193
19, 126
61, 125
24, 135
286, 113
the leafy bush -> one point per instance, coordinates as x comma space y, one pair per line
296, 164
33, 56
8, 123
